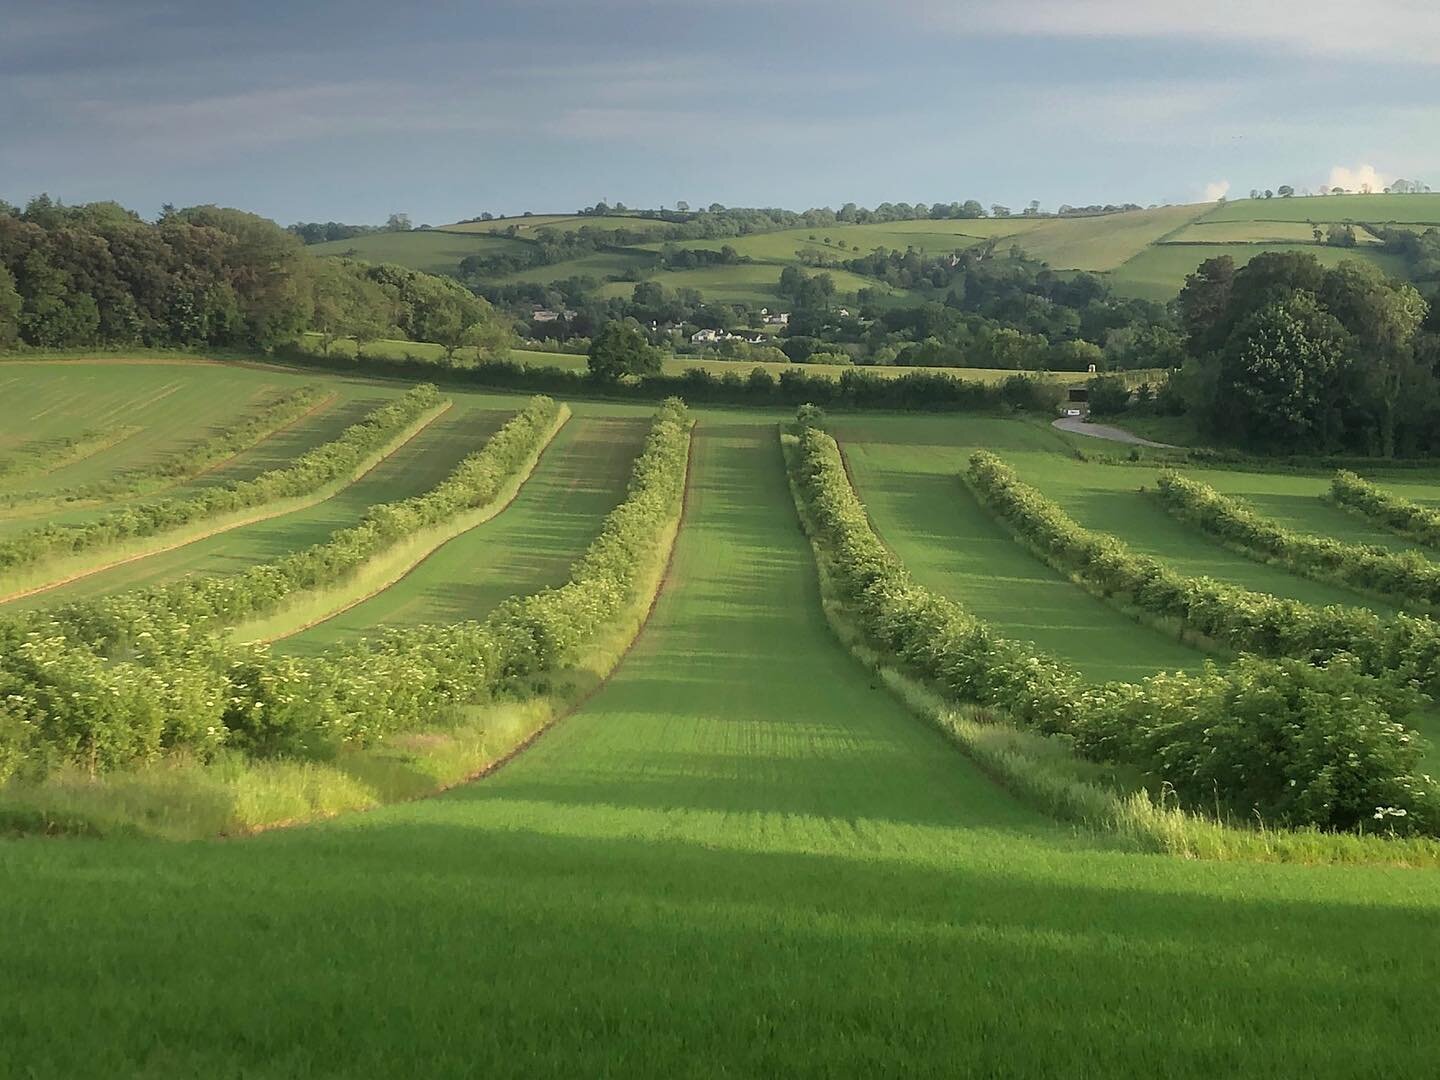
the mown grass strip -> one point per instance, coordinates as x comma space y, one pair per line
387, 567
190, 462
48, 455
1408, 578
43, 558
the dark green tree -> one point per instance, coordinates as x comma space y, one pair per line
620, 349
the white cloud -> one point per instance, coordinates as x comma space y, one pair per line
1216, 190
1394, 29
1360, 178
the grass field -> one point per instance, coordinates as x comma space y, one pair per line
1256, 232
430, 250
1409, 209
740, 857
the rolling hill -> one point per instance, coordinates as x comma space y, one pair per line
1143, 253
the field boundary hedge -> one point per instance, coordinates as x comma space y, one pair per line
137, 532
1289, 760
1408, 579
193, 461
390, 566
1405, 647
1400, 515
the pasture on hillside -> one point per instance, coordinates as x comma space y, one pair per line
1419, 209
742, 854
430, 250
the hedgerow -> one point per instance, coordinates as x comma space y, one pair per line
259, 425
1409, 577
1407, 518
311, 471
62, 702
1404, 647
1293, 742
169, 613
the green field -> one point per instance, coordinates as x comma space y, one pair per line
430, 250
1144, 253
1158, 272
742, 855
1407, 209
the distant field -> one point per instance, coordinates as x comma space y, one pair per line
751, 283
598, 265
1103, 243
428, 250
559, 222
1255, 232
1158, 272
1419, 209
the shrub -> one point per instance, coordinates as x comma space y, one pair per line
1407, 518
1409, 578
1291, 742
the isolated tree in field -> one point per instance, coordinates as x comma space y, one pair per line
398, 223
620, 349
1285, 191
682, 206
1338, 235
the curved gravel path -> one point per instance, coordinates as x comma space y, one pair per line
1076, 426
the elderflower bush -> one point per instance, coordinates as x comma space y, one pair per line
179, 687
1408, 577
1408, 518
1293, 742
1405, 647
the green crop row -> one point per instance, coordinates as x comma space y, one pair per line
1292, 742
311, 471
1408, 578
45, 456
62, 702
1406, 647
160, 618
1407, 518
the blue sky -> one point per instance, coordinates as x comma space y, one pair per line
350, 111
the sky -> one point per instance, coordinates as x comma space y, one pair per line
352, 111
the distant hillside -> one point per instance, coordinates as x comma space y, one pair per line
1143, 253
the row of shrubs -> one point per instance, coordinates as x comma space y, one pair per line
259, 424
1411, 519
1408, 578
938, 390
308, 473
161, 617
1296, 743
63, 703
1404, 647
47, 455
